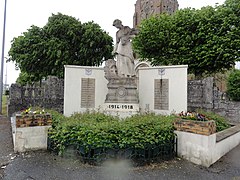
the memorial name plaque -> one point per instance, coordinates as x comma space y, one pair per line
161, 94
88, 93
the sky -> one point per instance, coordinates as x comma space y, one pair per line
21, 14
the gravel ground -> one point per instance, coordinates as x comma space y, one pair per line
42, 165
6, 145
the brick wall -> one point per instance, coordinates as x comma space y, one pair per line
146, 8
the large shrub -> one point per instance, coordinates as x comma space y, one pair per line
233, 85
98, 130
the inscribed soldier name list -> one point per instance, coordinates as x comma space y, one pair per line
161, 94
88, 93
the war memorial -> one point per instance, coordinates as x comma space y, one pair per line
124, 87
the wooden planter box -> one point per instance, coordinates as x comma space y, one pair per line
30, 120
197, 127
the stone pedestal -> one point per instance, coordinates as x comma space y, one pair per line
122, 90
122, 97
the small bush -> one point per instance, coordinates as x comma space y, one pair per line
6, 93
233, 85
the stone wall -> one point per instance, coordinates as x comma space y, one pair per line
48, 95
204, 94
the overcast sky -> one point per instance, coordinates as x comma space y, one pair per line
21, 14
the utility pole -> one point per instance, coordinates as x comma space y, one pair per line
2, 60
5, 75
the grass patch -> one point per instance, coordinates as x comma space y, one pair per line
4, 105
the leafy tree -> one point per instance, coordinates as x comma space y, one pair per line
233, 85
64, 40
26, 50
231, 12
203, 39
24, 79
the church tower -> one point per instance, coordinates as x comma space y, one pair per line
146, 8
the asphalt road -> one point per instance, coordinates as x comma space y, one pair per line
42, 165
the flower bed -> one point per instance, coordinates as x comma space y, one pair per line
29, 118
198, 127
201, 122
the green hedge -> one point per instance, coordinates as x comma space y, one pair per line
99, 130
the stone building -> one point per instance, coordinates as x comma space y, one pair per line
147, 8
